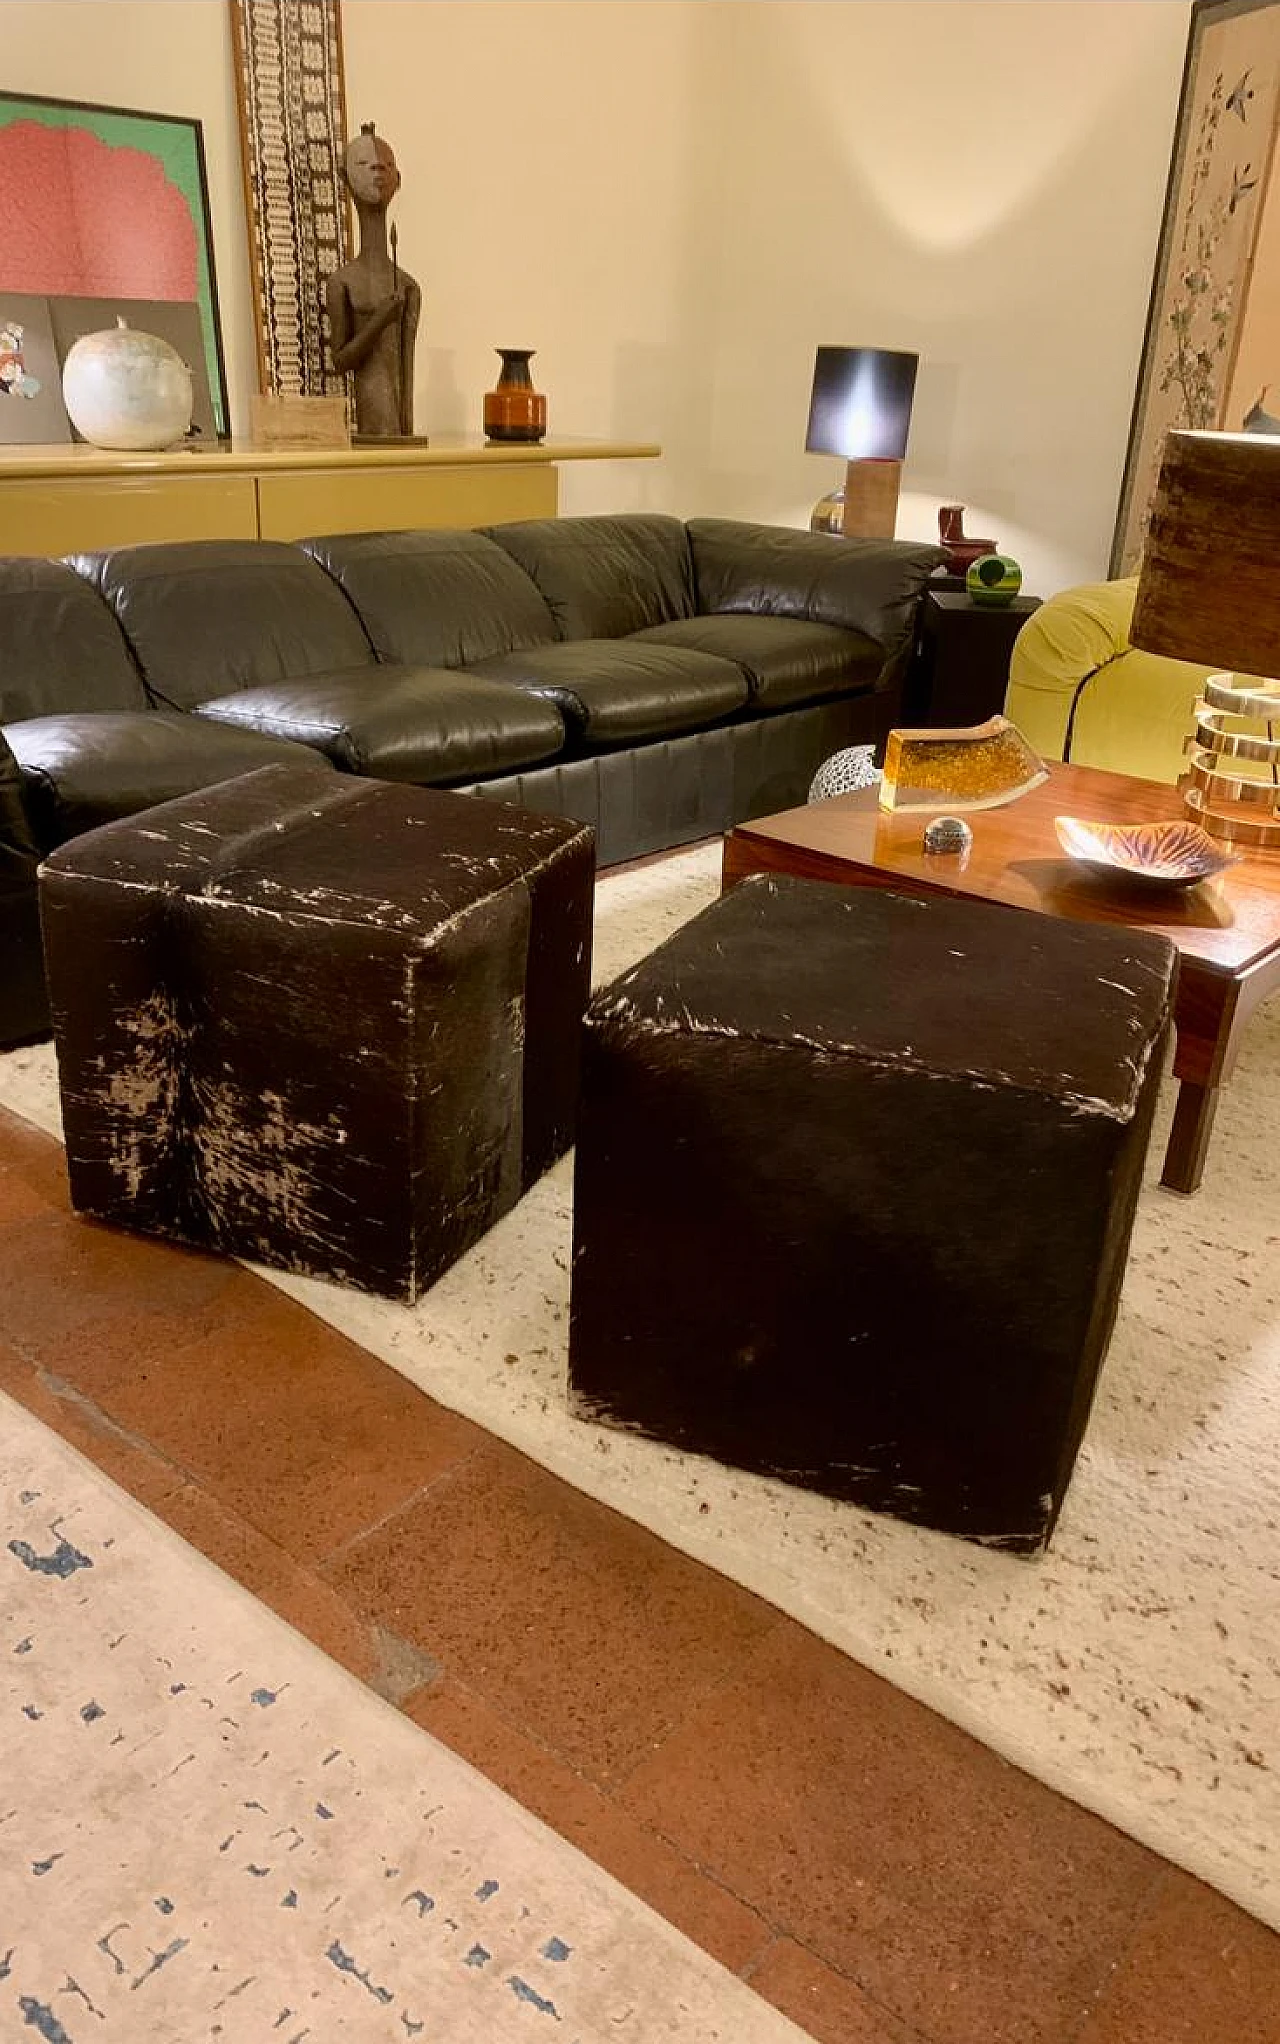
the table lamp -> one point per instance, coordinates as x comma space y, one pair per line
1209, 591
861, 408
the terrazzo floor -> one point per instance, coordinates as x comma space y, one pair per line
871, 1870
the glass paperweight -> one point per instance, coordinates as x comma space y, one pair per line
978, 766
947, 835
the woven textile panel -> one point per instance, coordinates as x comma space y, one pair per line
288, 57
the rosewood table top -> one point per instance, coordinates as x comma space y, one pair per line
1228, 923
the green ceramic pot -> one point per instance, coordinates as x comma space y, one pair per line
993, 579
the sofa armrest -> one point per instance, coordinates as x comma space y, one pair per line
16, 834
24, 1004
1060, 647
871, 586
79, 772
1079, 691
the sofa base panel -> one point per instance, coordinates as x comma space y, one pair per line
653, 797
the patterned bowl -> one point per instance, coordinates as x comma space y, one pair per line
1173, 854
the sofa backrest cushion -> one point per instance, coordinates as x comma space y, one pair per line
208, 616
60, 648
606, 576
866, 585
435, 599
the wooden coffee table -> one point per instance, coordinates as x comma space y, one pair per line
1227, 931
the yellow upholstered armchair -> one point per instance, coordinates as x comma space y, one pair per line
1079, 691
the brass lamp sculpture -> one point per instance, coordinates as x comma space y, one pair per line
860, 408
1208, 591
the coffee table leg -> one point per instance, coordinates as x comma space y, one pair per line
1189, 1137
1210, 1013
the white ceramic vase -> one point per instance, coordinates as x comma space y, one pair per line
127, 390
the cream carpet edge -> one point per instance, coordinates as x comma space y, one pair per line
538, 1835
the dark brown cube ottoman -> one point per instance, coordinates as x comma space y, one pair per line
332, 1025
855, 1180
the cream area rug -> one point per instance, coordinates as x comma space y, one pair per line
209, 1830
1136, 1666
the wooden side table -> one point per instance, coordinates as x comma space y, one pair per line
960, 666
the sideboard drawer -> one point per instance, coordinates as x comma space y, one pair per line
53, 515
295, 503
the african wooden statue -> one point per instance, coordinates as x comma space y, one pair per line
373, 304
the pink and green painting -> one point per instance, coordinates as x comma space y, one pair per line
113, 204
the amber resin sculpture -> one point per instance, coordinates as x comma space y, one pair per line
976, 767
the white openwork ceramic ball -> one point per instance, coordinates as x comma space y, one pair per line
844, 772
127, 390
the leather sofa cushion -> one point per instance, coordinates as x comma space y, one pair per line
206, 616
614, 692
865, 585
89, 769
435, 599
423, 725
605, 577
786, 660
60, 647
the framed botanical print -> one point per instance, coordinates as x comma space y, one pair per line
1212, 347
115, 206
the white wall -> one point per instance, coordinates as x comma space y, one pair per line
980, 182
675, 201
551, 200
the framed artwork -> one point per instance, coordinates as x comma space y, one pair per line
1212, 346
115, 206
292, 101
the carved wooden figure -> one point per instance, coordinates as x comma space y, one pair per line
373, 305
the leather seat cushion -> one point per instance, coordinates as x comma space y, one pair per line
435, 599
603, 577
204, 616
786, 660
616, 691
89, 769
423, 725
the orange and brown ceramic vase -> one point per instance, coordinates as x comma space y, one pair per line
515, 410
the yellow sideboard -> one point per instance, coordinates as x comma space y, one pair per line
62, 500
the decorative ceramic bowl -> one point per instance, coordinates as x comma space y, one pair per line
125, 389
1173, 854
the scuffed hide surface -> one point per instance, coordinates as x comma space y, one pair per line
330, 1026
855, 1180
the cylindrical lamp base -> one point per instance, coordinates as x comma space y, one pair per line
1232, 783
866, 507
871, 499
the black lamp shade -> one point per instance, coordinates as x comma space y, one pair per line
861, 403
